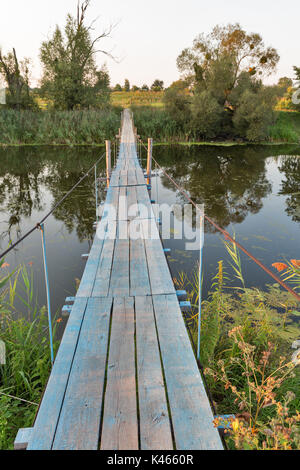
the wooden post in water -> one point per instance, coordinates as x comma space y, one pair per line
149, 161
108, 161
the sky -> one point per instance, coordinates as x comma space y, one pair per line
148, 36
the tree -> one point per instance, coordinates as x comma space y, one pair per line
118, 87
231, 49
157, 85
17, 77
69, 69
225, 70
135, 88
177, 102
145, 87
126, 85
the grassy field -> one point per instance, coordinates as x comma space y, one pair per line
126, 99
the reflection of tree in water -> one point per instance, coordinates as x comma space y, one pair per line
19, 185
23, 173
290, 187
231, 182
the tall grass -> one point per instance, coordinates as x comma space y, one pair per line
26, 370
58, 127
286, 127
156, 123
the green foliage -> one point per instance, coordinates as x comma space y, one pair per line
157, 85
70, 78
24, 375
286, 127
16, 76
58, 127
206, 115
229, 100
126, 85
177, 102
157, 123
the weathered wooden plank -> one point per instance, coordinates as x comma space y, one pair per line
192, 417
159, 273
123, 178
88, 277
119, 281
47, 418
79, 422
132, 181
155, 427
103, 274
140, 176
139, 277
120, 423
22, 438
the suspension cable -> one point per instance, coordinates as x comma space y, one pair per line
38, 224
226, 235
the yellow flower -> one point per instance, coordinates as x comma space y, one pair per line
235, 425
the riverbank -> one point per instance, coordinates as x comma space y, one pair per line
93, 127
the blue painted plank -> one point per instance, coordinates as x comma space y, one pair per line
47, 418
120, 423
155, 427
79, 422
192, 417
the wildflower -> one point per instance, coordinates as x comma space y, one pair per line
59, 320
280, 266
30, 263
295, 263
235, 425
5, 265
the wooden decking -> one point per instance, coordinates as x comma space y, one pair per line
125, 376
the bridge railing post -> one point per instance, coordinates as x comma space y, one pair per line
200, 281
108, 161
149, 161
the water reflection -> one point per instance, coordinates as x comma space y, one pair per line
242, 187
231, 181
27, 173
290, 185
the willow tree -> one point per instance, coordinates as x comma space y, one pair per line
223, 55
225, 70
69, 68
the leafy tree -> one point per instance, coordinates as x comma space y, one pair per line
145, 87
17, 76
177, 102
157, 85
118, 87
69, 70
206, 115
135, 88
126, 85
225, 69
231, 44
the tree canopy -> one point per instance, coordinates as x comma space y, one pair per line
224, 72
70, 76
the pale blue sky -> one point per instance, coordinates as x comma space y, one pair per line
151, 34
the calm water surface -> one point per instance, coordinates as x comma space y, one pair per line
252, 191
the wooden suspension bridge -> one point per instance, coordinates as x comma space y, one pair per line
125, 376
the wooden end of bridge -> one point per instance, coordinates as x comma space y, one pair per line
125, 376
